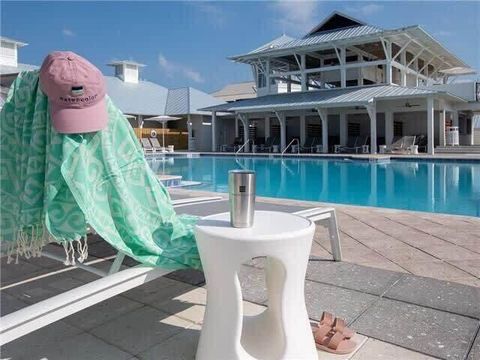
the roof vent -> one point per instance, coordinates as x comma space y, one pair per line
127, 70
9, 51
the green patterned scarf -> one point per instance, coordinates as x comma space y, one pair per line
54, 186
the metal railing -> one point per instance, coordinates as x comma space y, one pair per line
241, 147
290, 144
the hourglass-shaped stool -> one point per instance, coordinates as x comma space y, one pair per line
283, 330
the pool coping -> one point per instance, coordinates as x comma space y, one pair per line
311, 203
359, 157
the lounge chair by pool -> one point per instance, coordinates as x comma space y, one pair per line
401, 145
147, 145
268, 146
309, 145
354, 145
156, 145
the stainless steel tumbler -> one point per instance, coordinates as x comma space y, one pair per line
241, 189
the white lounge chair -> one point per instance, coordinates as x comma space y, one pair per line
114, 282
156, 145
147, 146
401, 145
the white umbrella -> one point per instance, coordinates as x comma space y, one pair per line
163, 119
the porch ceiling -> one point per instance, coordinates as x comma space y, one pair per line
325, 98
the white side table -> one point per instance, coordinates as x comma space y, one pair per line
382, 149
365, 149
275, 148
283, 330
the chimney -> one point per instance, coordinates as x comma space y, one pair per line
127, 70
9, 51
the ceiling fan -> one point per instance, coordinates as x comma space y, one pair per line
409, 105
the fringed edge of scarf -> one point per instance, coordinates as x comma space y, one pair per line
29, 242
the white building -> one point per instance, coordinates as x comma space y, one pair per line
140, 98
345, 79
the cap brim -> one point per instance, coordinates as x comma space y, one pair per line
84, 120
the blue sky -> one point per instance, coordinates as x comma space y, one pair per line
186, 43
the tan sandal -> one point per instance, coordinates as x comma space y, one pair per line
341, 326
337, 324
333, 342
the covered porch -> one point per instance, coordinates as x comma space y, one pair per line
378, 115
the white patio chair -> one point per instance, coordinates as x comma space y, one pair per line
147, 146
114, 282
156, 145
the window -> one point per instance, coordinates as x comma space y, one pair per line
397, 128
314, 130
353, 129
275, 130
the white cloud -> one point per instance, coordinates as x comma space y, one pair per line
171, 69
211, 12
296, 17
364, 10
68, 32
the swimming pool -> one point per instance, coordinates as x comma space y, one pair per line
451, 187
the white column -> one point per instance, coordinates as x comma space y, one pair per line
403, 61
323, 113
246, 131
441, 127
303, 129
267, 127
140, 121
388, 66
283, 130
343, 129
430, 117
455, 118
267, 76
303, 63
214, 131
472, 132
372, 113
343, 70
388, 127
360, 73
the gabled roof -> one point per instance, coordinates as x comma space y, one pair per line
335, 21
189, 100
275, 43
144, 97
147, 98
236, 91
329, 36
358, 96
441, 57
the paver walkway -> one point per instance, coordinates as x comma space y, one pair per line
399, 315
444, 247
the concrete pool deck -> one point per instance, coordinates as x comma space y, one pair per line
398, 314
445, 247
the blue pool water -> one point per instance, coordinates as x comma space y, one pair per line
434, 186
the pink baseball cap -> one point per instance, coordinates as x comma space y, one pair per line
76, 92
